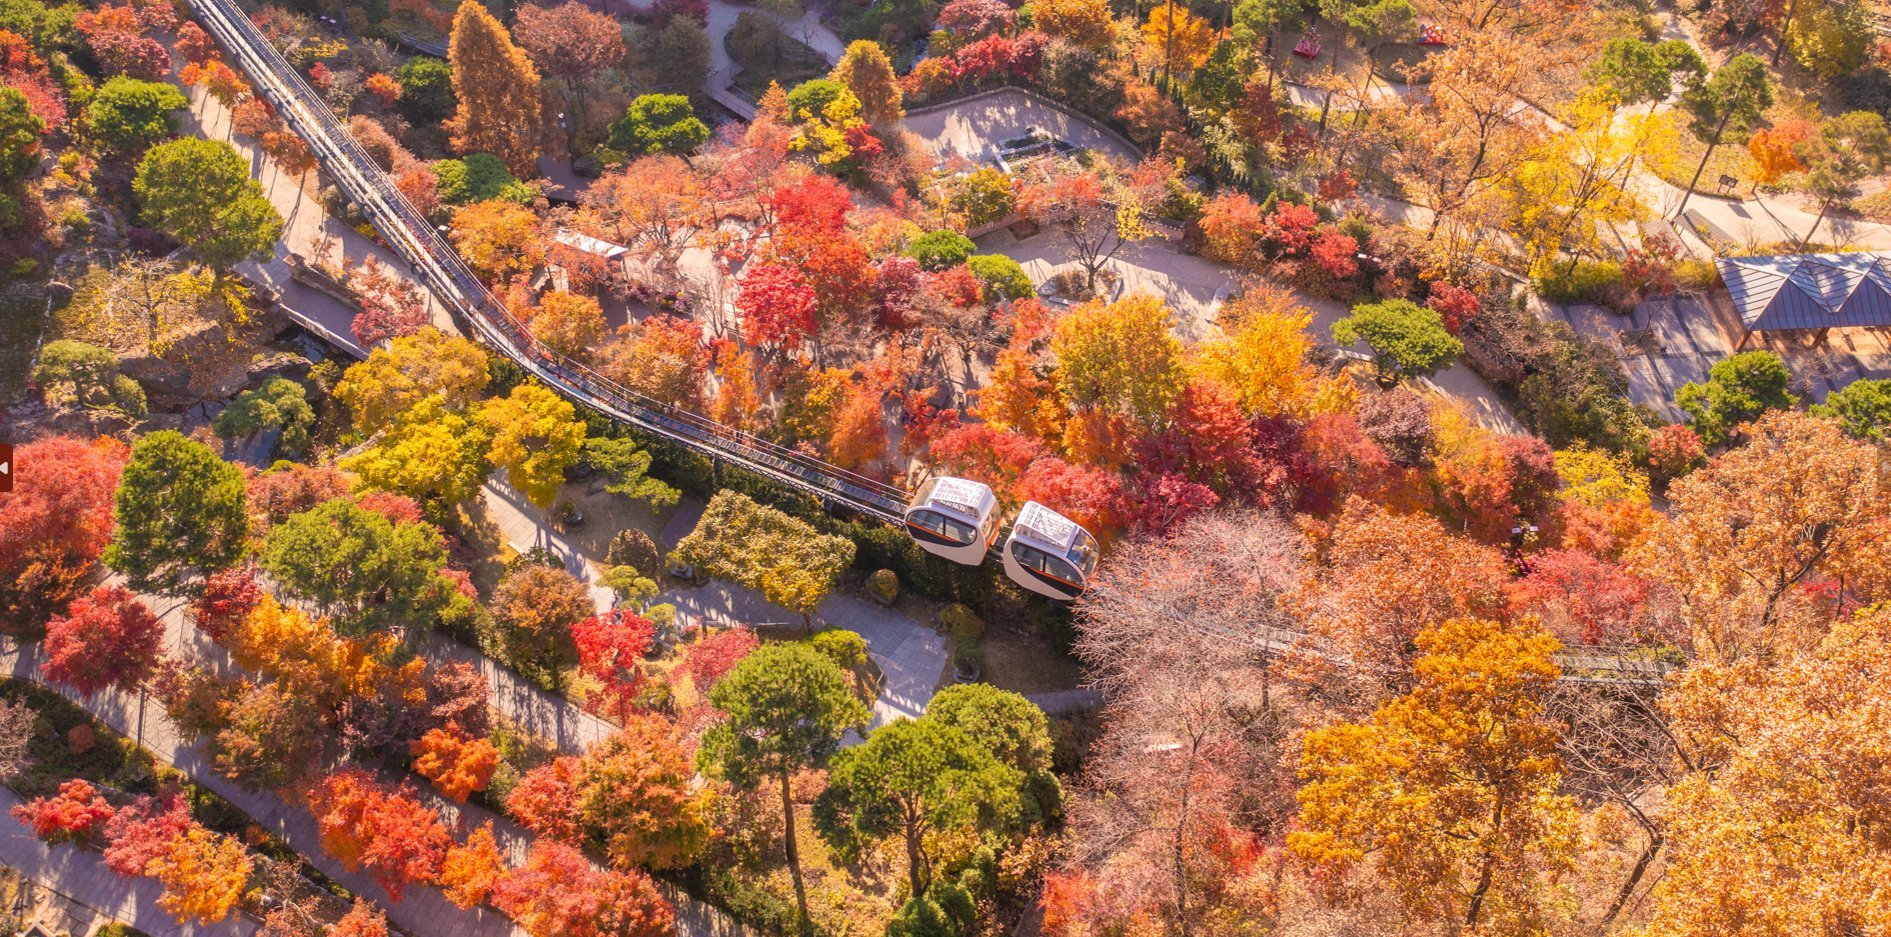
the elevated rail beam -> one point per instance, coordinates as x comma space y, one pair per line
480, 313
440, 268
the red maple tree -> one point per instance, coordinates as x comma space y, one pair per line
228, 597
1454, 304
557, 893
76, 813
611, 647
22, 68
391, 307
984, 453
107, 639
815, 206
54, 525
543, 800
777, 304
708, 660
143, 831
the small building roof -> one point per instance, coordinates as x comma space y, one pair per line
589, 245
1810, 291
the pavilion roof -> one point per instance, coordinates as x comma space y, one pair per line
1810, 291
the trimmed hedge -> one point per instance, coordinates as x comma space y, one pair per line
878, 545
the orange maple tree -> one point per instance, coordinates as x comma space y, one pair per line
362, 920
468, 874
204, 875
367, 824
455, 762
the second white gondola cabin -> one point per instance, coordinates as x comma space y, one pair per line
1049, 554
954, 518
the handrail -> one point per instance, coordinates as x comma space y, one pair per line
441, 268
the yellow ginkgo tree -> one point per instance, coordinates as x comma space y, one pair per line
1584, 178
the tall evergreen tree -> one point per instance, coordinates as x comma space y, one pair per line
498, 90
1732, 101
788, 706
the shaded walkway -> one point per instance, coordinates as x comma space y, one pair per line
80, 875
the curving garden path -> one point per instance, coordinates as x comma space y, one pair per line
424, 912
80, 877
1754, 219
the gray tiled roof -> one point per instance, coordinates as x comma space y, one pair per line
1810, 291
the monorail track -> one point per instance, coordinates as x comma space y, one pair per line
438, 265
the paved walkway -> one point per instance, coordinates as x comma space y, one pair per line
1190, 286
523, 704
80, 876
424, 910
807, 29
307, 230
972, 127
911, 656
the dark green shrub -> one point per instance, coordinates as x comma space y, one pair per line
969, 658
1001, 276
634, 548
962, 622
845, 648
940, 250
884, 584
751, 904
279, 404
89, 374
426, 90
475, 178
755, 40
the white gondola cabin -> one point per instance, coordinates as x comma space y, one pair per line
954, 518
1049, 554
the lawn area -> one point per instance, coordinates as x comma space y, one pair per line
766, 53
1729, 159
1027, 664
747, 871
